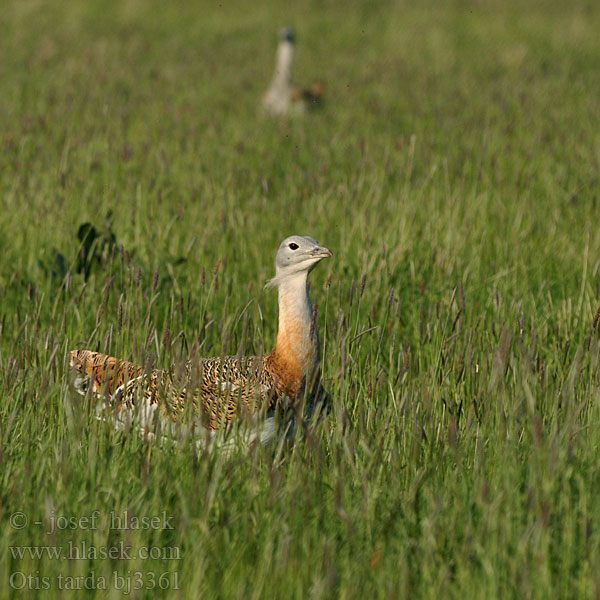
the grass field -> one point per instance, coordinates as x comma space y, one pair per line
453, 172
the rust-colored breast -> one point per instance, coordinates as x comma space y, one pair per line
286, 371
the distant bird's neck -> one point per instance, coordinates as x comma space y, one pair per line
283, 66
296, 351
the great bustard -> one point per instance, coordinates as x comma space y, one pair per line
283, 96
221, 389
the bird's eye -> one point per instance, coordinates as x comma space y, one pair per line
293, 246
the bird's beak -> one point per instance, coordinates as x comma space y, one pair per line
321, 252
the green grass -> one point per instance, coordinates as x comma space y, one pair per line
454, 173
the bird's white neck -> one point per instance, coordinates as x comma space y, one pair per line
283, 66
297, 338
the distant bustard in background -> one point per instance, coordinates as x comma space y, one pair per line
222, 388
283, 96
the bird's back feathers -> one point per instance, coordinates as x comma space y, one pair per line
312, 94
217, 388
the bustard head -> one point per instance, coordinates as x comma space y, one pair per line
287, 34
297, 254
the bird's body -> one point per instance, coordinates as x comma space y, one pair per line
215, 391
283, 96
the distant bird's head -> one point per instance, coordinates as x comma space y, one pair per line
297, 254
287, 34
